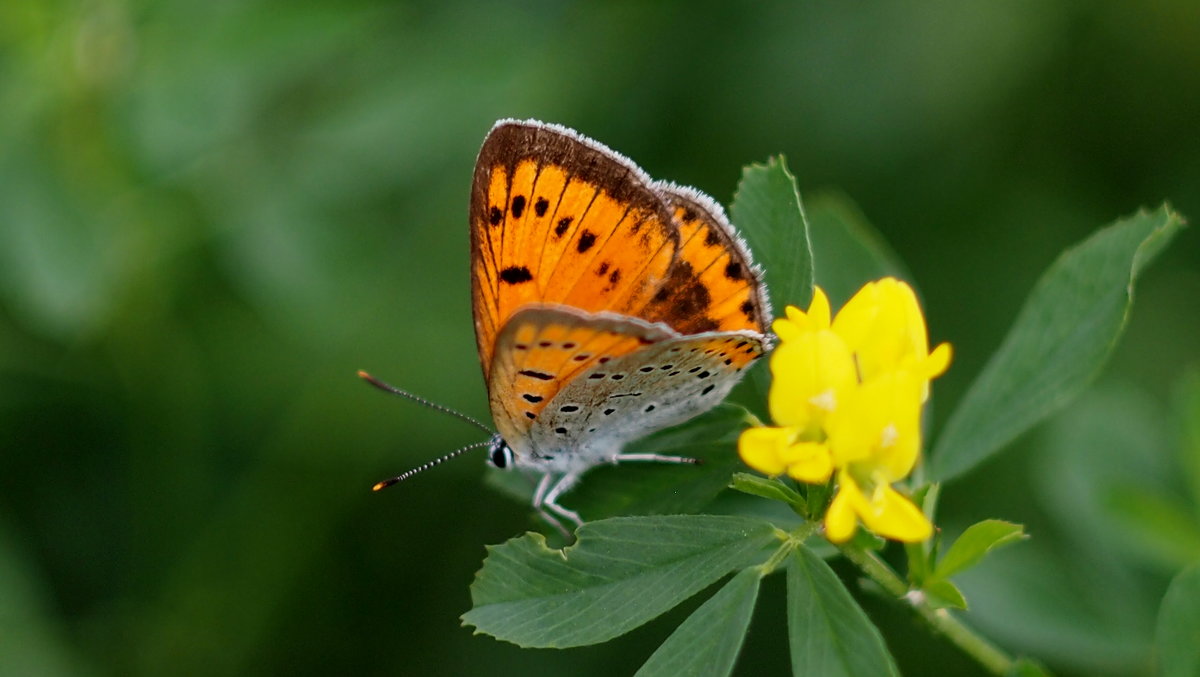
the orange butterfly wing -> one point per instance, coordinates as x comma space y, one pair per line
562, 220
543, 348
562, 224
713, 286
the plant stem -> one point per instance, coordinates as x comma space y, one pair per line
984, 652
790, 542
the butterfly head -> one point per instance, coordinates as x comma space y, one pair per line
500, 454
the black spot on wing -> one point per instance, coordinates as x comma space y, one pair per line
563, 224
518, 206
516, 275
495, 216
586, 240
734, 270
540, 375
541, 206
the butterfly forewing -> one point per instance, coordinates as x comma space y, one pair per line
714, 286
557, 219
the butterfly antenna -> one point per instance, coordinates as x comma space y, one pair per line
437, 461
388, 388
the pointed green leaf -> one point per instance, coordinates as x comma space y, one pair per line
708, 642
764, 487
621, 573
830, 634
1059, 341
1177, 639
944, 594
976, 542
767, 211
847, 250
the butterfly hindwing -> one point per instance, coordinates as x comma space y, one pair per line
544, 348
658, 385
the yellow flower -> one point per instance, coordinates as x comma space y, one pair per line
883, 326
883, 510
846, 396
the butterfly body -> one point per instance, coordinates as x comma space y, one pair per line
607, 305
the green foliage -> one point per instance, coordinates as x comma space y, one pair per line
830, 634
1064, 334
707, 643
767, 487
975, 543
767, 211
621, 573
1178, 638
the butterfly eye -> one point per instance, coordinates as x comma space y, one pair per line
501, 455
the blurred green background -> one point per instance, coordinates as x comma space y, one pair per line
212, 214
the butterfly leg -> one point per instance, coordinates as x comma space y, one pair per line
655, 458
545, 501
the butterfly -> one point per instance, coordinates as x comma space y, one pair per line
606, 305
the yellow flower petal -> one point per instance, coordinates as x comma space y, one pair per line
787, 330
811, 373
808, 462
893, 516
878, 425
938, 361
760, 448
818, 310
841, 520
884, 327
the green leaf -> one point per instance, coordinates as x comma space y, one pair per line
708, 642
977, 541
943, 594
764, 487
847, 250
830, 634
1177, 638
621, 573
768, 213
1059, 341
767, 210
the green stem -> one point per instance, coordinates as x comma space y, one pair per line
790, 542
984, 652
